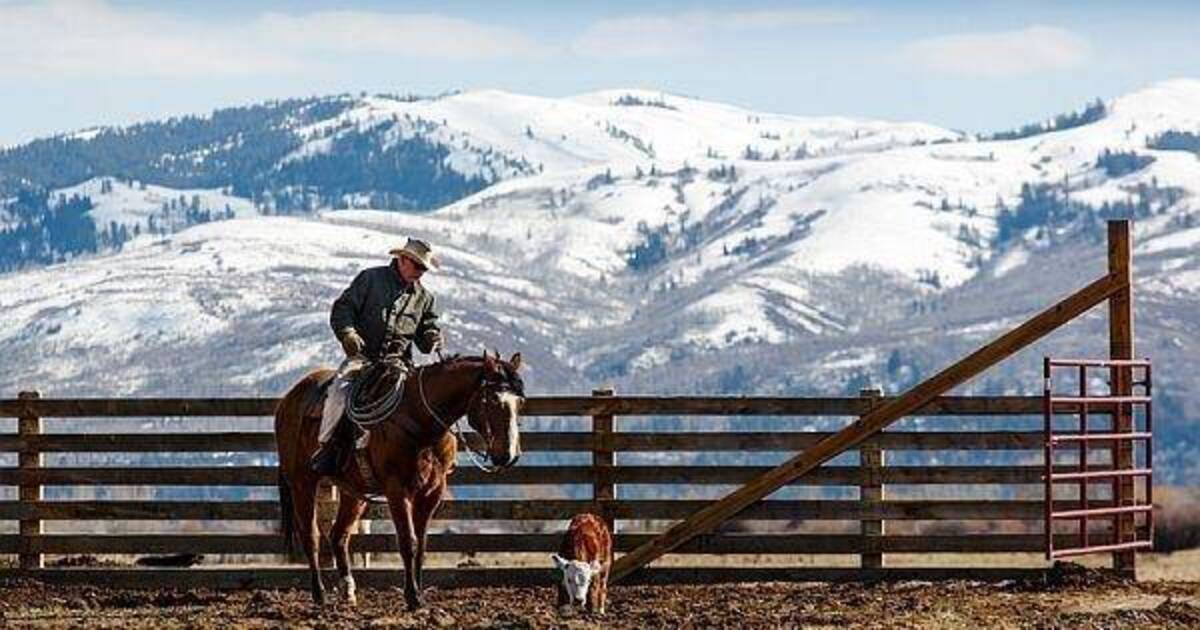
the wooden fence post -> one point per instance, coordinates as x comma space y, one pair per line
29, 460
870, 493
1120, 346
603, 460
327, 507
364, 558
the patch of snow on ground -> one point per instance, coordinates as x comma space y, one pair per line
1011, 259
1183, 239
845, 359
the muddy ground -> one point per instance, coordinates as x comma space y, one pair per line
1080, 600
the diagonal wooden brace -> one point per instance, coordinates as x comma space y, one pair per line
722, 510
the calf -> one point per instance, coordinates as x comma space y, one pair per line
585, 558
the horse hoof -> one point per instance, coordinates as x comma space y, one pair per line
349, 591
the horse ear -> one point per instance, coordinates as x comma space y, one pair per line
489, 362
515, 361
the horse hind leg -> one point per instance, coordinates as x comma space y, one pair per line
350, 510
304, 499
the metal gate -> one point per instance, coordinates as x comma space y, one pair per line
1131, 514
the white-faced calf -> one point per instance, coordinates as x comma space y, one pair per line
584, 560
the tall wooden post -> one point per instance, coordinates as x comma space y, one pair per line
327, 507
870, 493
364, 558
29, 460
603, 460
1120, 346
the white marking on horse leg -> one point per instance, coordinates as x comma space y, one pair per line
512, 403
350, 589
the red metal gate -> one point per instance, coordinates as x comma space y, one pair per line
1127, 531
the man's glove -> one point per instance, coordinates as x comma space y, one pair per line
352, 342
433, 340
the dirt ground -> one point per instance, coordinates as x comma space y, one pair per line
1075, 598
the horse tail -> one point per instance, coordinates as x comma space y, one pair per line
287, 514
289, 414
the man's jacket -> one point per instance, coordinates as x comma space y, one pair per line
388, 313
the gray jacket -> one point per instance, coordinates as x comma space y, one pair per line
389, 314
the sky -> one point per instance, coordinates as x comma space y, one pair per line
71, 64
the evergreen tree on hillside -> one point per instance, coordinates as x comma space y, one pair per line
46, 231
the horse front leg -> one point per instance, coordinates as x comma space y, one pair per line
350, 510
401, 508
425, 510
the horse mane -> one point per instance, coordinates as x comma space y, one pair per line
455, 360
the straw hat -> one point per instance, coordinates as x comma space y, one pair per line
419, 252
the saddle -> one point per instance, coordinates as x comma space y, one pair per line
374, 393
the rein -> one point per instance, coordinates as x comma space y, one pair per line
480, 461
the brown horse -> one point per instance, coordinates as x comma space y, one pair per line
410, 454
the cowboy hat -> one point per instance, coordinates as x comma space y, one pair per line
419, 252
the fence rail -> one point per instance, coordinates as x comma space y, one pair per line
605, 475
551, 406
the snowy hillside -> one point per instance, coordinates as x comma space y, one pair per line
655, 242
153, 208
528, 134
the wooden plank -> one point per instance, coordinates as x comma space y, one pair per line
687, 406
164, 476
831, 475
546, 543
842, 475
142, 407
545, 509
751, 406
257, 441
564, 406
1120, 346
268, 476
534, 406
142, 510
537, 441
790, 442
274, 578
232, 442
545, 475
875, 420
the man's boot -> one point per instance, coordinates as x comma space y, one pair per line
324, 461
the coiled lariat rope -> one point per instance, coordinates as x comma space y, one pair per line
371, 412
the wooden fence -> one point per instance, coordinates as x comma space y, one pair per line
598, 432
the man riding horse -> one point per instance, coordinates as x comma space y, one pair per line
379, 317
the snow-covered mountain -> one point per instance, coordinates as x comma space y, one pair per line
656, 242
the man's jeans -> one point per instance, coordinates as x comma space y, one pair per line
335, 397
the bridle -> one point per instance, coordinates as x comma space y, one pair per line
489, 387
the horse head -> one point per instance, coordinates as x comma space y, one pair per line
495, 408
